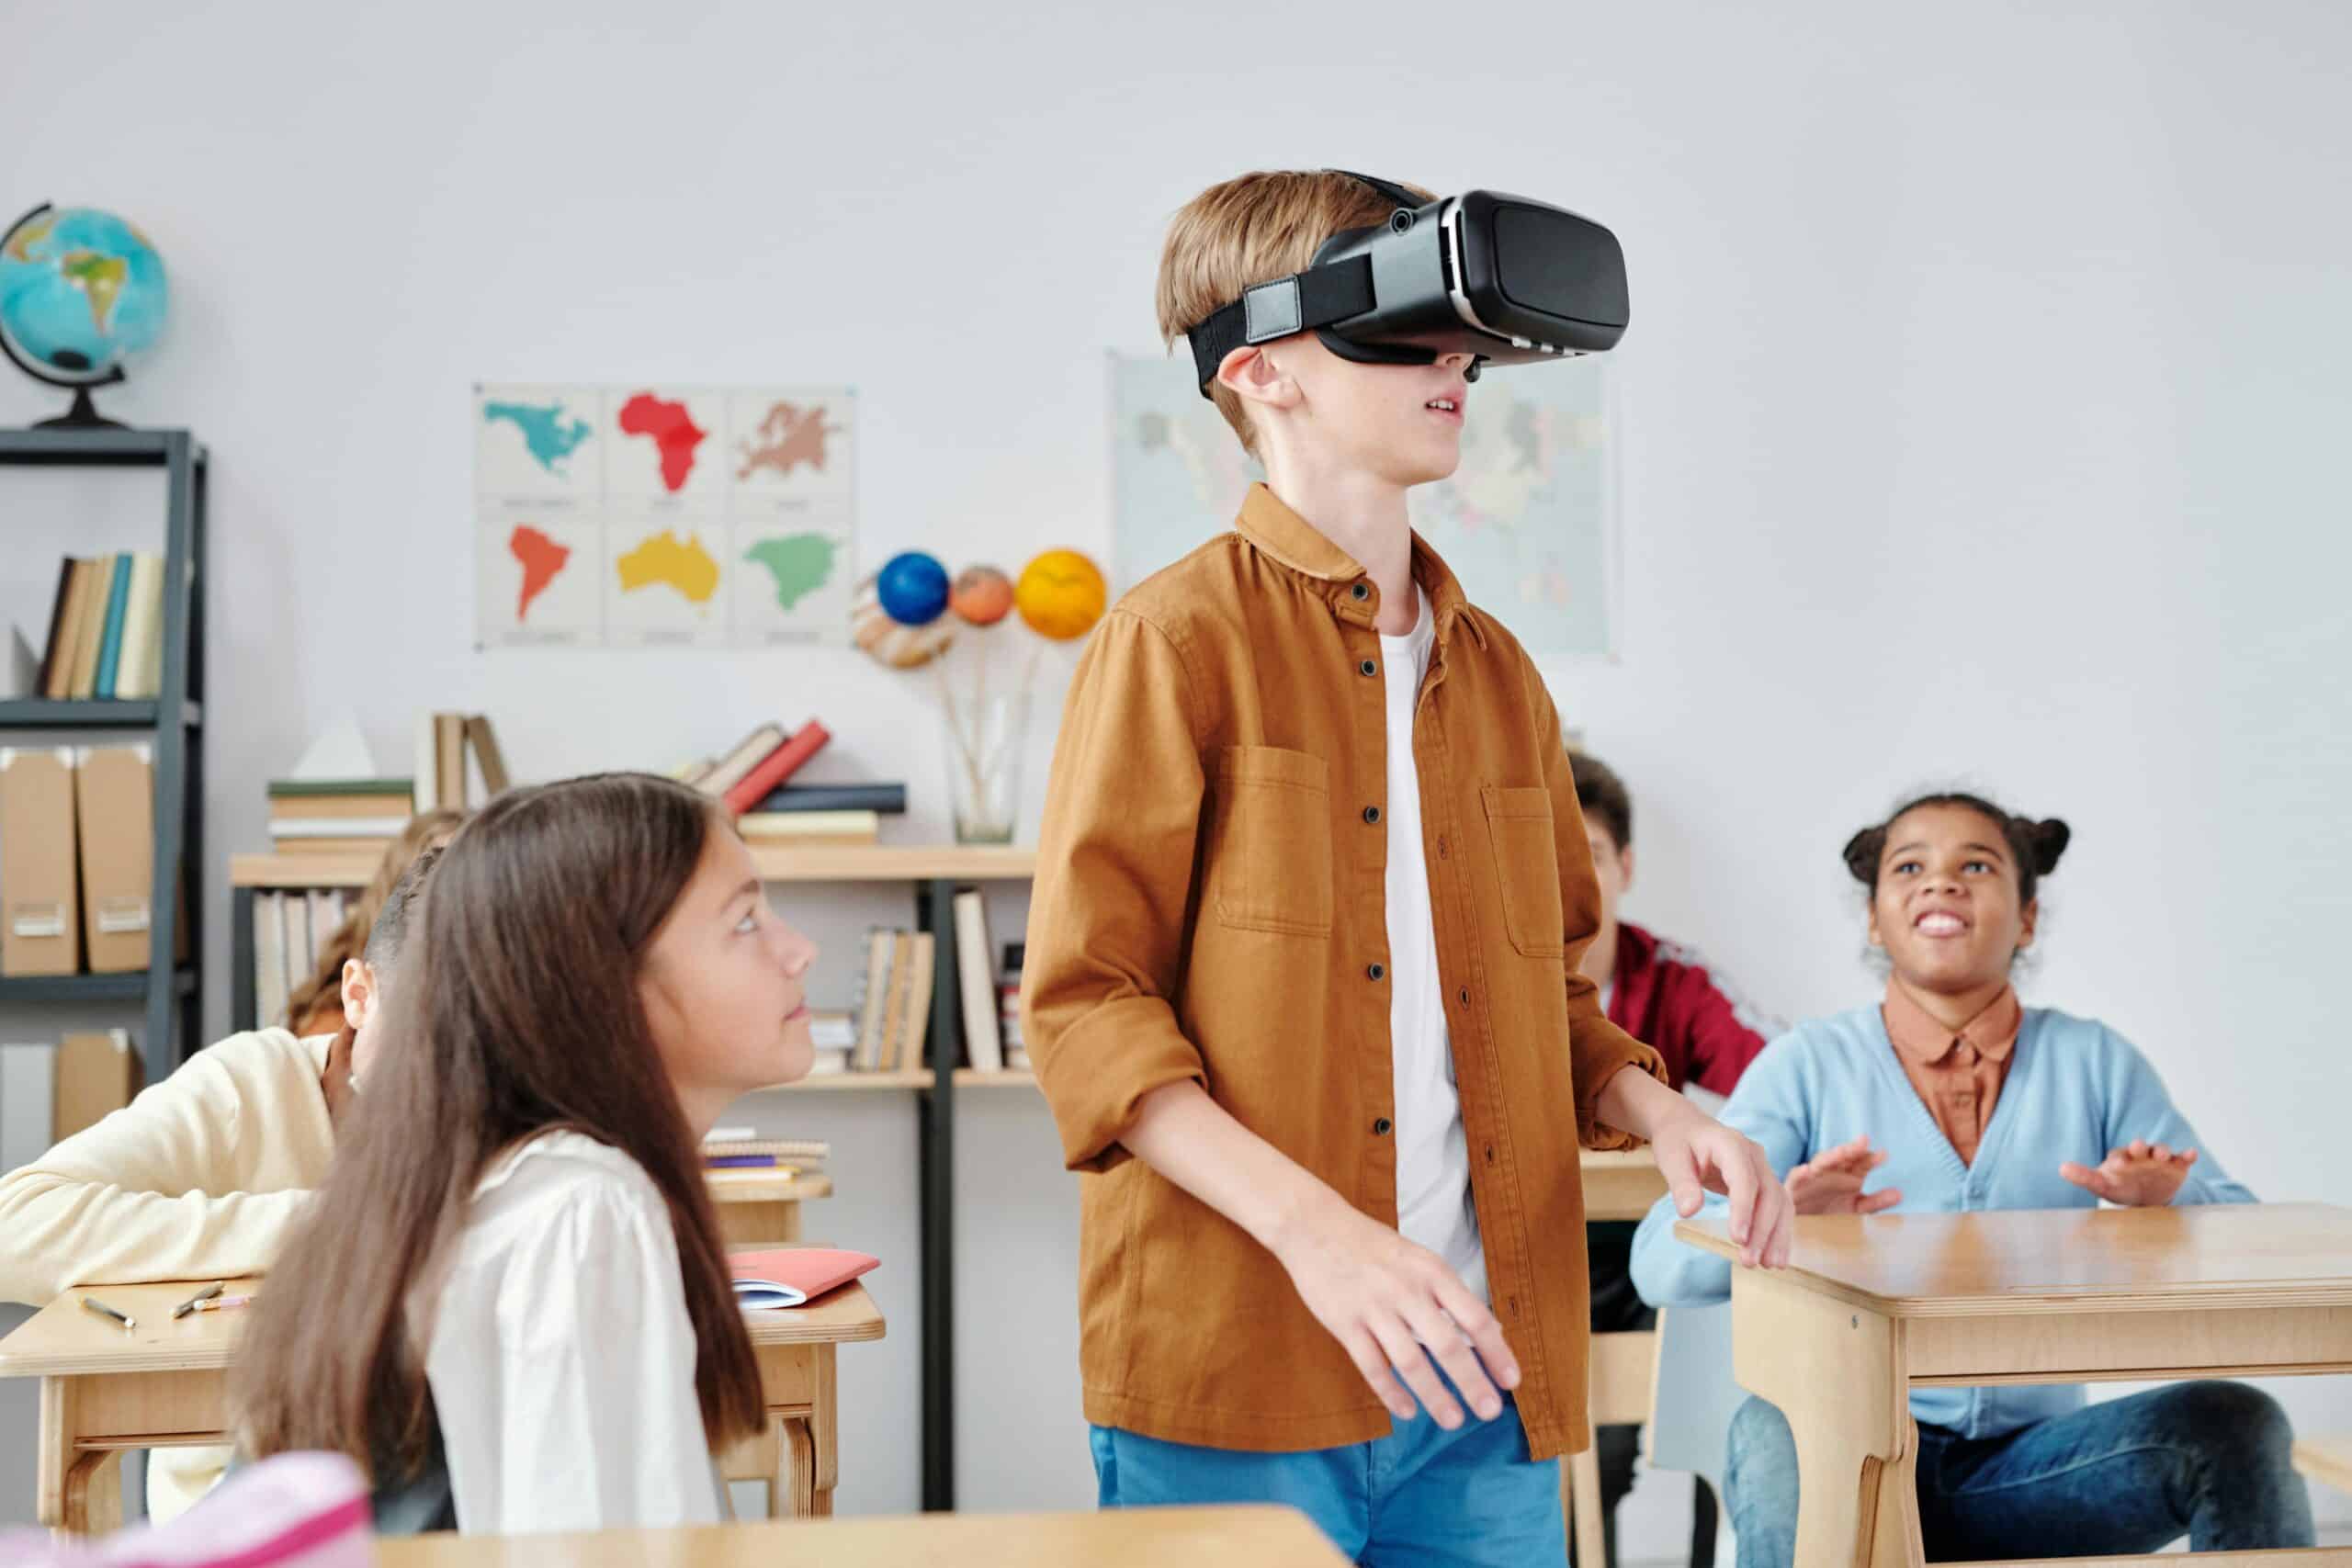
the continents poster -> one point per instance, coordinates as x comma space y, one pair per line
645, 515
1528, 522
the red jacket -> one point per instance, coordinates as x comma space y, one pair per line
1663, 996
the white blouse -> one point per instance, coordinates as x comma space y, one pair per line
562, 1360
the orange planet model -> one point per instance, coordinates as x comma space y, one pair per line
982, 595
1061, 595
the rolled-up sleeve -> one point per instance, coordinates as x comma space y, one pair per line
1114, 885
1598, 1049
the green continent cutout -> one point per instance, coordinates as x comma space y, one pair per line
800, 564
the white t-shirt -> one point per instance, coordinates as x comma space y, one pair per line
561, 1359
1433, 1206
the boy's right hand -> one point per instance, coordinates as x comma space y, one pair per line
1831, 1182
1391, 1304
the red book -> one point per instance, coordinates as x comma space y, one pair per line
780, 766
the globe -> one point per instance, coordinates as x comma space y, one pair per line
81, 291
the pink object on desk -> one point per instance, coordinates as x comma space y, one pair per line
794, 1276
288, 1511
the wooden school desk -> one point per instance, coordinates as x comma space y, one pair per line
105, 1389
761, 1208
1872, 1307
1133, 1537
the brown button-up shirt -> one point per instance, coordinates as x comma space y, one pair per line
1211, 904
1959, 1074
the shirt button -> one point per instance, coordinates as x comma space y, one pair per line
1381, 1127
1372, 814
1368, 668
1361, 592
1377, 973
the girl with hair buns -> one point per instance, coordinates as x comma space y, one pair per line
1947, 1096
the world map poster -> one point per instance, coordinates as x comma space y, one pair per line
645, 515
1528, 522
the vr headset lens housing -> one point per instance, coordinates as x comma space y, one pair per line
1499, 277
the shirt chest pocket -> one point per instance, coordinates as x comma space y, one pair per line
1527, 868
1269, 841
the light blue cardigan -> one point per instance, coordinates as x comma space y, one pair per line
2075, 1090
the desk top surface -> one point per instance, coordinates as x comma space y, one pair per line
2071, 1259
1138, 1538
66, 1339
755, 1186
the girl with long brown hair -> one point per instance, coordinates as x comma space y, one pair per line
514, 1276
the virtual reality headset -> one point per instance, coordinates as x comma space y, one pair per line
1499, 277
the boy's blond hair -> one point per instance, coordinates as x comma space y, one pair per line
1253, 230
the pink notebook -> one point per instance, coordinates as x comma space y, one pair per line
794, 1276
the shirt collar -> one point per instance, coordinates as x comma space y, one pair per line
1274, 530
1919, 1037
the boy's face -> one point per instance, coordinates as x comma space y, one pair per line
1613, 868
1401, 424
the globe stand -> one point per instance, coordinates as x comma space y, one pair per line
83, 414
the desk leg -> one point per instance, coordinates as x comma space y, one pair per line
759, 1224
795, 1476
75, 1493
825, 1435
1836, 1372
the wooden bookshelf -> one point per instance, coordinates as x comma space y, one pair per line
778, 862
974, 1077
850, 1083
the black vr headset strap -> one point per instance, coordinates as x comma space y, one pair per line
1265, 311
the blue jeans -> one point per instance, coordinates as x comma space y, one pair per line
1468, 1499
2208, 1460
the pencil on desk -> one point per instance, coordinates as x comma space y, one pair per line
93, 1305
200, 1297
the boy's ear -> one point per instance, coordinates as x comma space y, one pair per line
1625, 869
358, 991
1251, 375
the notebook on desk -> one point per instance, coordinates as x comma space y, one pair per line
792, 1276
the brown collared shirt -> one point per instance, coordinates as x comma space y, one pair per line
1958, 1074
1210, 904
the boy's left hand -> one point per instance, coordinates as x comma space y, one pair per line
2139, 1176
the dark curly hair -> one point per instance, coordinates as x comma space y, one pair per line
2034, 846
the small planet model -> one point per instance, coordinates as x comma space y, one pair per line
982, 595
1061, 595
890, 640
912, 587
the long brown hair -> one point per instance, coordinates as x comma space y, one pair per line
323, 991
517, 1013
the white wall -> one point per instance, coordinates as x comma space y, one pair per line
1983, 419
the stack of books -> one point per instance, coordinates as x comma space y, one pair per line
750, 780
458, 764
338, 816
291, 927
893, 1010
106, 630
1016, 1049
741, 1148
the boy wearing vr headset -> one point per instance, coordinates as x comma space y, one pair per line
1303, 983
